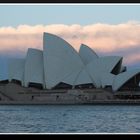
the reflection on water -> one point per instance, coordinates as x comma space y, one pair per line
69, 119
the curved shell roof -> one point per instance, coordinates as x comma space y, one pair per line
16, 69
122, 78
60, 60
83, 78
70, 79
87, 54
107, 79
107, 63
100, 67
34, 67
78, 78
94, 72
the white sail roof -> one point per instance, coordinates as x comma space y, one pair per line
107, 63
107, 79
70, 79
87, 54
34, 67
83, 78
60, 60
122, 78
102, 67
16, 69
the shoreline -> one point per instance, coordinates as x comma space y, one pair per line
113, 102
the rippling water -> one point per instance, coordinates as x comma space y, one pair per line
69, 119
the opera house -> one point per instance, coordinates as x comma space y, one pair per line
60, 67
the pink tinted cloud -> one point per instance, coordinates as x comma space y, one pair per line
103, 38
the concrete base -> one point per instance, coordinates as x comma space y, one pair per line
12, 93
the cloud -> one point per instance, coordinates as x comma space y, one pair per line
106, 39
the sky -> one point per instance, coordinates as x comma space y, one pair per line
108, 29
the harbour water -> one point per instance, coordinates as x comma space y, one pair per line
69, 119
